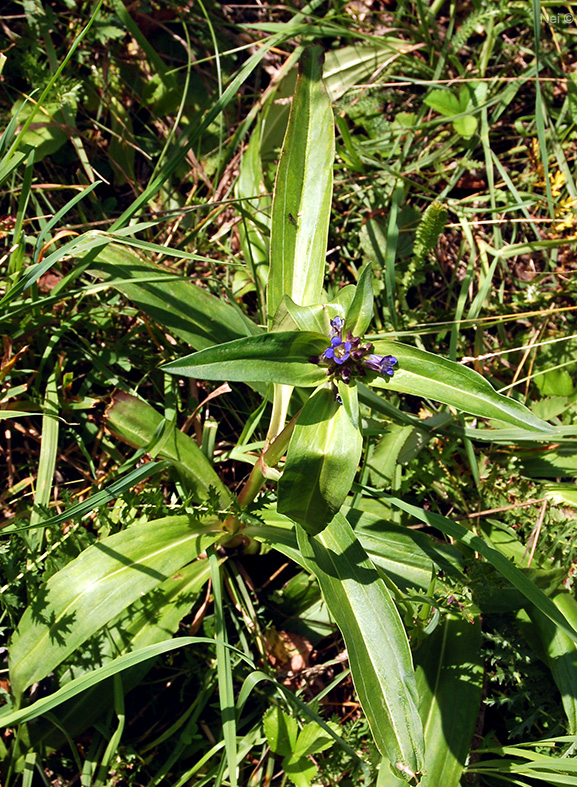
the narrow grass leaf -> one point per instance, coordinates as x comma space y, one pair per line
107, 495
224, 670
12, 717
195, 131
7, 164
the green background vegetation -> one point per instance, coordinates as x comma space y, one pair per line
137, 168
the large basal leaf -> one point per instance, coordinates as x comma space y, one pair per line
425, 374
321, 463
151, 619
303, 192
354, 65
561, 653
95, 587
185, 310
407, 556
136, 422
271, 358
376, 641
449, 669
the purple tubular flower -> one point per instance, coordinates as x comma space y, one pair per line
380, 364
387, 365
339, 351
347, 358
337, 324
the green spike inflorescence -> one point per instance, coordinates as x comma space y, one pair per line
426, 237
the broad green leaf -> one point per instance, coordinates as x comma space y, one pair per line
360, 312
407, 556
313, 739
495, 558
300, 770
448, 104
555, 382
465, 126
303, 192
425, 374
317, 317
47, 134
376, 641
151, 619
96, 586
444, 102
47, 459
350, 398
136, 422
274, 357
311, 318
561, 653
353, 65
449, 670
185, 310
384, 457
281, 731
321, 462
545, 462
561, 493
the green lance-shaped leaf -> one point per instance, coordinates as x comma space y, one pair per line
136, 423
376, 641
425, 374
561, 653
151, 619
270, 358
360, 312
303, 192
449, 670
185, 310
321, 463
96, 586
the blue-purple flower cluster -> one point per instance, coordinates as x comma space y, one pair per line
348, 358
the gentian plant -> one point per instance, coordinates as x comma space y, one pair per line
314, 349
313, 359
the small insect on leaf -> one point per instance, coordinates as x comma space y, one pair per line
292, 219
